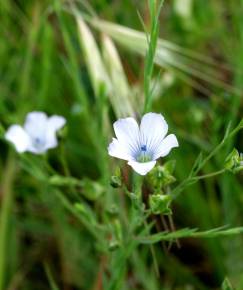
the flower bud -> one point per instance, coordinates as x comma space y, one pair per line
162, 176
234, 161
116, 180
159, 204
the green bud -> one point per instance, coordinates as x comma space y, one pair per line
58, 180
234, 161
92, 190
162, 176
113, 245
138, 204
116, 180
159, 204
77, 109
113, 210
116, 234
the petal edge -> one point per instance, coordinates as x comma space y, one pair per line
18, 137
116, 150
127, 133
153, 129
142, 168
165, 146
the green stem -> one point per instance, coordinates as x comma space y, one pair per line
137, 185
154, 9
70, 207
227, 136
6, 209
208, 175
50, 278
64, 160
192, 178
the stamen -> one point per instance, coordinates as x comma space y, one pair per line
143, 155
38, 142
144, 148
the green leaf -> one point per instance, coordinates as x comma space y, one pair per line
170, 166
50, 277
86, 212
190, 233
92, 190
197, 163
96, 69
227, 285
122, 97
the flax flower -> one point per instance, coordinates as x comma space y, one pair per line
38, 133
142, 145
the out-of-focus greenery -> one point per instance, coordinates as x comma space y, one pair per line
67, 220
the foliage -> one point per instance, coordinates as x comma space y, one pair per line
75, 218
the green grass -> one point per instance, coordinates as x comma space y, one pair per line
62, 224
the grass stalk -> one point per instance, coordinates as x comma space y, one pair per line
5, 218
154, 10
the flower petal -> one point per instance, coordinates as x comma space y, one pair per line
127, 133
165, 146
35, 125
115, 149
54, 123
153, 129
18, 137
142, 168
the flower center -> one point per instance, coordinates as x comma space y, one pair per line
38, 142
143, 155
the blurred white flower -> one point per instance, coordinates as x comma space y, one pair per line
141, 146
38, 133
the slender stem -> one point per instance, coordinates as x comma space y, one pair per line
137, 185
52, 282
6, 209
66, 170
154, 10
69, 206
192, 178
208, 175
227, 136
155, 262
64, 160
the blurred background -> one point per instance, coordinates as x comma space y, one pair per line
84, 60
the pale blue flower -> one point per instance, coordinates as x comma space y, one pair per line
142, 145
38, 133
